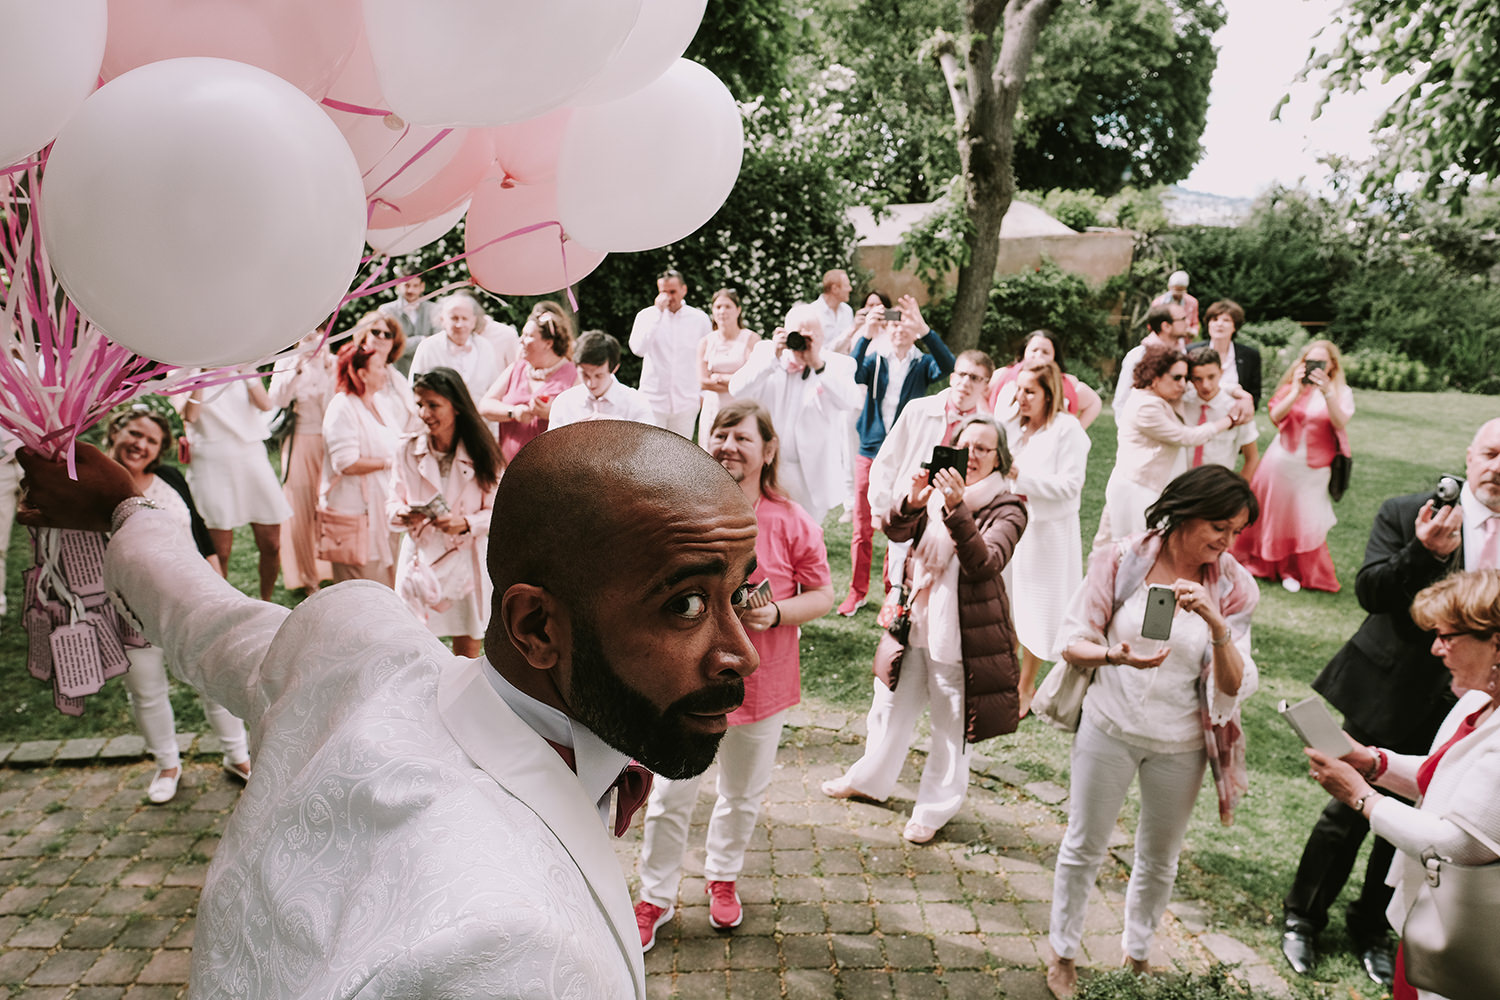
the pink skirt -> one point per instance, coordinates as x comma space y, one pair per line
302, 468
1290, 538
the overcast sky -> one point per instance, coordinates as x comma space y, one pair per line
1261, 48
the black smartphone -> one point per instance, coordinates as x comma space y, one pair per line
1309, 366
893, 315
1161, 604
944, 457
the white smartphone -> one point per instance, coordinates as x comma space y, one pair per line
1161, 604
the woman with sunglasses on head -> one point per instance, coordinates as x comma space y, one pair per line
1153, 441
453, 459
520, 400
1456, 786
135, 438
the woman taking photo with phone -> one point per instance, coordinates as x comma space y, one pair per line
958, 658
1151, 705
1310, 408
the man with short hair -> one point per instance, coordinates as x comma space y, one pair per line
792, 562
832, 309
1177, 294
666, 334
892, 378
1392, 690
422, 824
1166, 323
807, 389
1209, 403
418, 317
600, 396
458, 348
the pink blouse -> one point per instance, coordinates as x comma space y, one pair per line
518, 392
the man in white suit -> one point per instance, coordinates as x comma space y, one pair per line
808, 390
409, 830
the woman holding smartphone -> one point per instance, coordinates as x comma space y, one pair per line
1311, 408
958, 659
1151, 705
521, 398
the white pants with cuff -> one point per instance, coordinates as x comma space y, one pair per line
939, 687
146, 684
1103, 767
746, 759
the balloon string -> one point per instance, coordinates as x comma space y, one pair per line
17, 168
443, 134
354, 109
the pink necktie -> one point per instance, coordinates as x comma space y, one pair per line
1202, 419
632, 787
1489, 551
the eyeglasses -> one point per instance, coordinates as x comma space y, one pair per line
980, 449
1177, 378
383, 334
972, 376
1446, 638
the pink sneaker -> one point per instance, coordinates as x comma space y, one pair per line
724, 910
648, 917
851, 605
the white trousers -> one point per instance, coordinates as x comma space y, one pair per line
746, 759
10, 493
1102, 770
939, 687
146, 684
677, 423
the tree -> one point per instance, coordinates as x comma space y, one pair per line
1442, 129
985, 89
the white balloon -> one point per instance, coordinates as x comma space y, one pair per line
660, 37
203, 212
410, 239
466, 62
50, 54
621, 188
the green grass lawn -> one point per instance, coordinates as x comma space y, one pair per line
1402, 442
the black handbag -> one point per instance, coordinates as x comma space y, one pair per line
1338, 475
283, 423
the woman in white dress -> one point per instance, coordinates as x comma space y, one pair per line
383, 334
720, 355
135, 439
303, 381
231, 473
441, 569
361, 450
1152, 442
1051, 454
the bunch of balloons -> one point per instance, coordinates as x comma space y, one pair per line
219, 165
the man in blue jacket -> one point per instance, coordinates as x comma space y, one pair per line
893, 373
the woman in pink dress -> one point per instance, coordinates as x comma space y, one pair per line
521, 398
1310, 408
720, 355
1041, 345
305, 382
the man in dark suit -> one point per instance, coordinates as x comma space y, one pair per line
1393, 692
1224, 319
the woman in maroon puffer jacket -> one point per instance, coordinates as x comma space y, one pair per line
959, 659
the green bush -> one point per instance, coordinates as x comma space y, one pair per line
1048, 298
1272, 334
1387, 370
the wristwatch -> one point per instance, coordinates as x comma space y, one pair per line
1359, 803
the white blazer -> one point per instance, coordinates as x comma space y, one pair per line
405, 833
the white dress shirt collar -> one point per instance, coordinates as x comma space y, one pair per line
597, 763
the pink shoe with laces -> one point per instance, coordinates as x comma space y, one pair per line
724, 909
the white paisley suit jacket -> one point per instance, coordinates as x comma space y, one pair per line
405, 834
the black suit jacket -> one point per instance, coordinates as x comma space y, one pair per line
1385, 679
1246, 366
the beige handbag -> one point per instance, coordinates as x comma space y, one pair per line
1059, 700
1448, 940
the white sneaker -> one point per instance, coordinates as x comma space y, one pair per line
1291, 586
163, 787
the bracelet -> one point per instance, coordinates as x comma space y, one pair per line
1377, 767
1221, 642
1107, 659
778, 614
127, 507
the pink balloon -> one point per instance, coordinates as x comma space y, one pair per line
532, 264
304, 43
392, 207
527, 151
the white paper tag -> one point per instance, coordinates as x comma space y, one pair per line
82, 555
76, 668
38, 626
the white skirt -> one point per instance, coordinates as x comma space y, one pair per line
233, 485
1045, 570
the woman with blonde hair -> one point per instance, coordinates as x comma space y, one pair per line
1456, 787
1050, 452
520, 400
1310, 408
